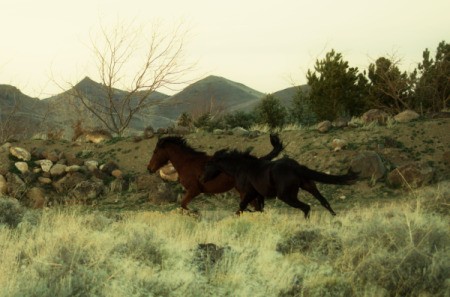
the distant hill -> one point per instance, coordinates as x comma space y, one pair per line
286, 95
213, 94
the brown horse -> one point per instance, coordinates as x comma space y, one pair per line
190, 165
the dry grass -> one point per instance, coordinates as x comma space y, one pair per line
399, 249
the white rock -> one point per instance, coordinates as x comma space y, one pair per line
45, 164
20, 153
22, 167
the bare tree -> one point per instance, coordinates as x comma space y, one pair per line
138, 63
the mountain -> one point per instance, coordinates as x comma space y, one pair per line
285, 96
20, 115
212, 94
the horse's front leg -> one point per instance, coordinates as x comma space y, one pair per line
248, 197
188, 196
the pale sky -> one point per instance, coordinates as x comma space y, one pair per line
266, 45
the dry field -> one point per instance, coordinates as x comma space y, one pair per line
391, 249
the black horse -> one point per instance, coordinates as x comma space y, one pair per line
281, 178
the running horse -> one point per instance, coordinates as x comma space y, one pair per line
190, 164
281, 178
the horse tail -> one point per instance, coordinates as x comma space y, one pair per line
345, 179
277, 145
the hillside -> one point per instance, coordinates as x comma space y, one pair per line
59, 113
211, 94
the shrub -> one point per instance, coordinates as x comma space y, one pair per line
11, 212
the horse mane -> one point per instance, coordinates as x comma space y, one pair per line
234, 153
180, 142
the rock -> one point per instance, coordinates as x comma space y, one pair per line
412, 175
373, 115
117, 173
168, 172
338, 144
87, 190
53, 156
3, 185
369, 165
324, 126
44, 180
16, 186
36, 197
406, 116
97, 136
58, 170
91, 165
68, 182
218, 132
340, 122
5, 147
22, 167
45, 164
20, 153
73, 168
239, 131
109, 167
72, 159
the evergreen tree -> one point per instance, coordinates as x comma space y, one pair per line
336, 88
271, 112
433, 86
390, 89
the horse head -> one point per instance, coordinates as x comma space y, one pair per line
159, 158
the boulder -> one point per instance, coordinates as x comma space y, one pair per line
340, 122
109, 167
45, 164
406, 116
68, 182
412, 175
324, 126
58, 170
22, 167
91, 165
239, 131
97, 136
168, 172
20, 153
117, 173
338, 144
375, 115
16, 186
44, 180
72, 159
87, 190
53, 155
73, 168
369, 165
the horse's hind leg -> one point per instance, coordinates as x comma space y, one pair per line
311, 187
290, 198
